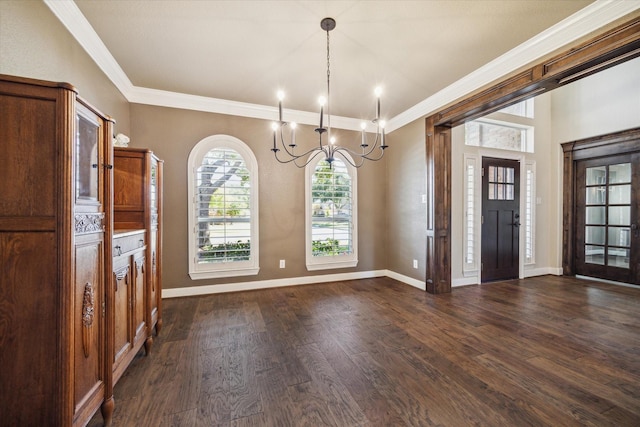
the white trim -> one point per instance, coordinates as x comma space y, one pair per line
228, 269
580, 24
467, 281
542, 271
72, 18
267, 284
420, 284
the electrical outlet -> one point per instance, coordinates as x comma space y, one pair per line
415, 263
281, 263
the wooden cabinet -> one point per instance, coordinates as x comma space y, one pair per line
138, 205
129, 282
54, 217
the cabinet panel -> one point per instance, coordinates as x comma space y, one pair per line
140, 326
29, 337
128, 183
88, 322
123, 339
33, 158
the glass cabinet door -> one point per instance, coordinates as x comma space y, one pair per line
87, 141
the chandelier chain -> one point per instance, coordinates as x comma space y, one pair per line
328, 87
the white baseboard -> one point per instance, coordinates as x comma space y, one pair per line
465, 281
266, 284
542, 271
406, 279
307, 280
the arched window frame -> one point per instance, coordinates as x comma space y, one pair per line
224, 269
335, 261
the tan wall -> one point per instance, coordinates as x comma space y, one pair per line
406, 167
35, 44
172, 133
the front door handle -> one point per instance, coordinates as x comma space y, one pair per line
516, 224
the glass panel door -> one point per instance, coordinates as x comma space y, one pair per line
606, 214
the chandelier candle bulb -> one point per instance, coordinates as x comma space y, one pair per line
293, 134
274, 126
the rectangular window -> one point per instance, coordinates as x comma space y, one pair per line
486, 134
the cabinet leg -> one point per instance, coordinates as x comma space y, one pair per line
148, 344
158, 326
107, 410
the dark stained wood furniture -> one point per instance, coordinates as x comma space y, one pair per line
54, 222
138, 205
578, 60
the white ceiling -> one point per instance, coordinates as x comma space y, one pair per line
244, 51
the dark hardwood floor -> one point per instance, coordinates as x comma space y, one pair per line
542, 351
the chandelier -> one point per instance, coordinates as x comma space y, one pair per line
328, 146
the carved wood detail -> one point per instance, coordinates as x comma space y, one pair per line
89, 222
123, 273
88, 311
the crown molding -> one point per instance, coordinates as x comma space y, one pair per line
72, 18
580, 24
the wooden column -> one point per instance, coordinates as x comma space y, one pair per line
438, 153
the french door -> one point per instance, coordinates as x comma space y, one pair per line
500, 219
607, 218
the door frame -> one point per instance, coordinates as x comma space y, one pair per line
507, 155
624, 142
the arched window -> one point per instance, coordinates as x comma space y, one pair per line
223, 209
331, 215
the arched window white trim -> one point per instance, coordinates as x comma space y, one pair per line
227, 266
341, 224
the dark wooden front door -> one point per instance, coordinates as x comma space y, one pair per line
607, 215
500, 219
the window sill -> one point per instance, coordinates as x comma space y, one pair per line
198, 275
327, 265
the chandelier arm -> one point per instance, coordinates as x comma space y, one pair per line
361, 156
356, 165
310, 159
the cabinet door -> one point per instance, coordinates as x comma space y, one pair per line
88, 380
88, 160
123, 339
139, 293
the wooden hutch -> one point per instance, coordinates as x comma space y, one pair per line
62, 310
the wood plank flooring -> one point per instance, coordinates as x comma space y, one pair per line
542, 351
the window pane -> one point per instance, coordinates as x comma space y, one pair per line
619, 236
619, 215
620, 194
597, 175
331, 222
223, 207
620, 174
618, 257
594, 235
595, 215
595, 195
594, 254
